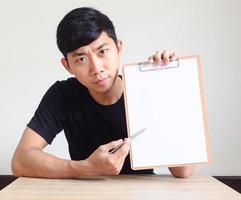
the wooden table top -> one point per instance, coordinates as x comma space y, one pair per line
120, 187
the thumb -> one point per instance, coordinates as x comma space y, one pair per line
113, 144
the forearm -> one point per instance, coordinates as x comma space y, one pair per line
182, 171
36, 163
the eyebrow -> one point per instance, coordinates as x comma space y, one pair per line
96, 49
78, 54
100, 47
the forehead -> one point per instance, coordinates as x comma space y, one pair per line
102, 40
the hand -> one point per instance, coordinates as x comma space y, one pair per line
182, 171
163, 57
102, 162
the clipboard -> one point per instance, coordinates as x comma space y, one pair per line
168, 101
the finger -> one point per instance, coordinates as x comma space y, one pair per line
166, 56
151, 59
124, 149
121, 159
111, 145
157, 57
121, 163
174, 56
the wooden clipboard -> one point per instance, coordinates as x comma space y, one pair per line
168, 101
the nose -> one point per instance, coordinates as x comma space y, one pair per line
96, 65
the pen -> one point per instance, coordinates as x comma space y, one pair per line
131, 137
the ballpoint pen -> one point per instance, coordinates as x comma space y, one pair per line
131, 137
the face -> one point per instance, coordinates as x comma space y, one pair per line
95, 65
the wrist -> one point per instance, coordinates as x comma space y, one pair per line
81, 168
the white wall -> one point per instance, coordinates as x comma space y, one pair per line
211, 28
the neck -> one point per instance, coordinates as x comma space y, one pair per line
112, 95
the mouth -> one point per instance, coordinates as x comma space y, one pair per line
101, 81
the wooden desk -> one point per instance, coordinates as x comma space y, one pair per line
120, 187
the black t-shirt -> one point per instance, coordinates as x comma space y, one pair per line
68, 106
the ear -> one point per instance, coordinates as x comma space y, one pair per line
66, 65
119, 45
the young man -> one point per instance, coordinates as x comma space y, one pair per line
89, 107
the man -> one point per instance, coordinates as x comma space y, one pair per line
89, 107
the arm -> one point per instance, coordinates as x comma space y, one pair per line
181, 172
30, 160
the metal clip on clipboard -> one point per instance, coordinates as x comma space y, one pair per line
146, 66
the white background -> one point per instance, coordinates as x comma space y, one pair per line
30, 62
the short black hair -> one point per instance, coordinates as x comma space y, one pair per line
82, 26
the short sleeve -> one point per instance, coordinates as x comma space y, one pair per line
49, 118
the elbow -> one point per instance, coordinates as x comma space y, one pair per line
182, 172
185, 174
16, 167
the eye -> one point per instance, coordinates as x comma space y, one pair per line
82, 59
104, 51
